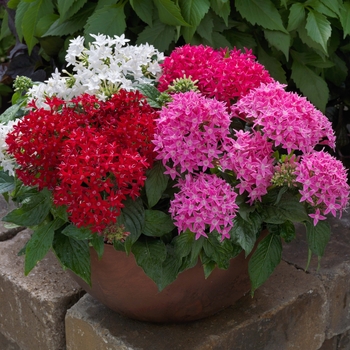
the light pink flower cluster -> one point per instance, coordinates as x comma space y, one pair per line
286, 118
190, 131
227, 76
249, 156
204, 201
324, 184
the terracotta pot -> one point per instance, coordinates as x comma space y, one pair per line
120, 284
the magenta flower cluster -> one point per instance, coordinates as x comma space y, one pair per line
324, 184
250, 156
203, 201
286, 118
190, 132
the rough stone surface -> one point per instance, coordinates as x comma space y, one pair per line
7, 344
32, 309
334, 271
288, 312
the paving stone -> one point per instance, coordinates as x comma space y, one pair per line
32, 309
288, 312
334, 271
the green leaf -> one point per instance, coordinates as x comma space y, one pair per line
40, 243
33, 211
150, 255
110, 20
7, 182
9, 114
281, 41
12, 4
73, 255
221, 8
144, 9
157, 223
285, 230
314, 87
133, 218
21, 10
97, 242
345, 19
76, 233
329, 8
183, 243
159, 35
220, 41
193, 12
294, 211
151, 93
60, 212
264, 260
73, 24
36, 10
69, 11
205, 28
243, 233
156, 183
296, 16
317, 236
263, 13
169, 13
208, 266
318, 28
44, 24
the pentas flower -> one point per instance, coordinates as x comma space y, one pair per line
323, 182
288, 119
204, 202
250, 157
190, 132
227, 76
95, 177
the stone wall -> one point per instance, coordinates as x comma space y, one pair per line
295, 309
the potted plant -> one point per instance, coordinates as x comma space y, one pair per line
189, 170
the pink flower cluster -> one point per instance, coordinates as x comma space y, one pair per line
286, 118
227, 76
204, 201
249, 156
324, 184
190, 132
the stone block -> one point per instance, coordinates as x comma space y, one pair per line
333, 272
288, 312
33, 308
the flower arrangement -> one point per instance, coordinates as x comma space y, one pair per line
172, 159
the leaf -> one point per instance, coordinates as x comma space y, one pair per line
150, 255
345, 19
221, 8
44, 24
35, 11
205, 28
169, 13
151, 93
7, 182
60, 212
133, 218
183, 243
314, 87
144, 9
241, 40
220, 41
40, 243
243, 233
97, 242
33, 211
318, 28
317, 236
73, 255
157, 223
193, 12
263, 13
285, 230
331, 8
281, 41
21, 10
294, 211
69, 11
73, 24
156, 183
110, 20
159, 35
76, 233
296, 16
264, 260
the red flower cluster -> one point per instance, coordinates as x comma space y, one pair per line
225, 75
92, 154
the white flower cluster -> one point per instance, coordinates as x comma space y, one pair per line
102, 69
6, 161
